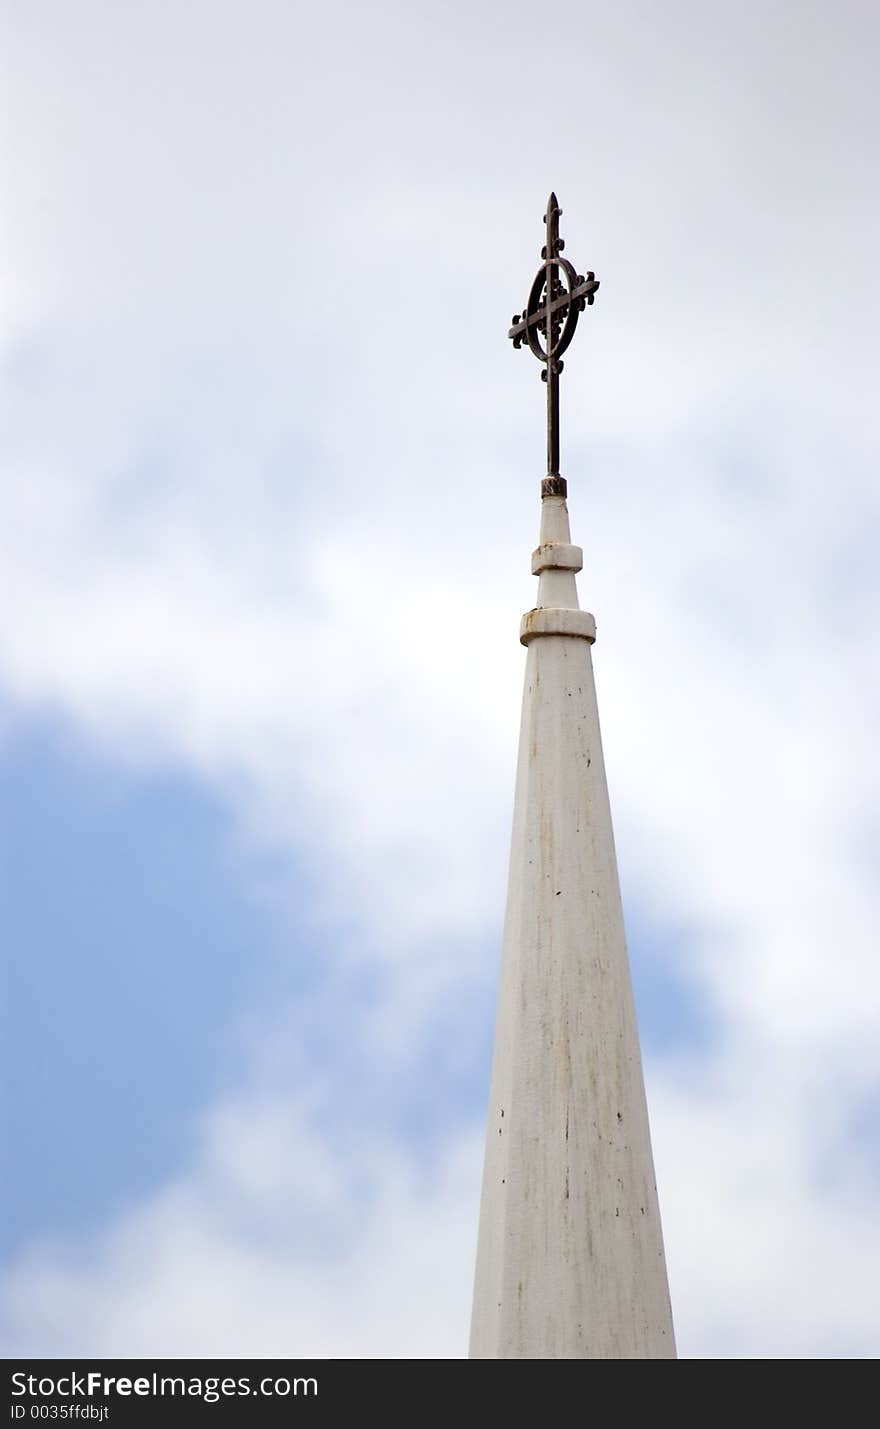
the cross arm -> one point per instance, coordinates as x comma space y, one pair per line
584, 293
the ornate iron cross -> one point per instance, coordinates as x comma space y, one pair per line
557, 298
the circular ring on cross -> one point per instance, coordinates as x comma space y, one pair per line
554, 281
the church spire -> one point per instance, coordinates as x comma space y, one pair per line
570, 1260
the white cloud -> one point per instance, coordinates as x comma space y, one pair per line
271, 1247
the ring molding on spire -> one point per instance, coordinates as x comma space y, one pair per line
557, 556
549, 621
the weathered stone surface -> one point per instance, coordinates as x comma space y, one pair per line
570, 1260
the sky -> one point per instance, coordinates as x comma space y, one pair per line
270, 488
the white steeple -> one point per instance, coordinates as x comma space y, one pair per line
570, 1260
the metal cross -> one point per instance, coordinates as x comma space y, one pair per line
557, 298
